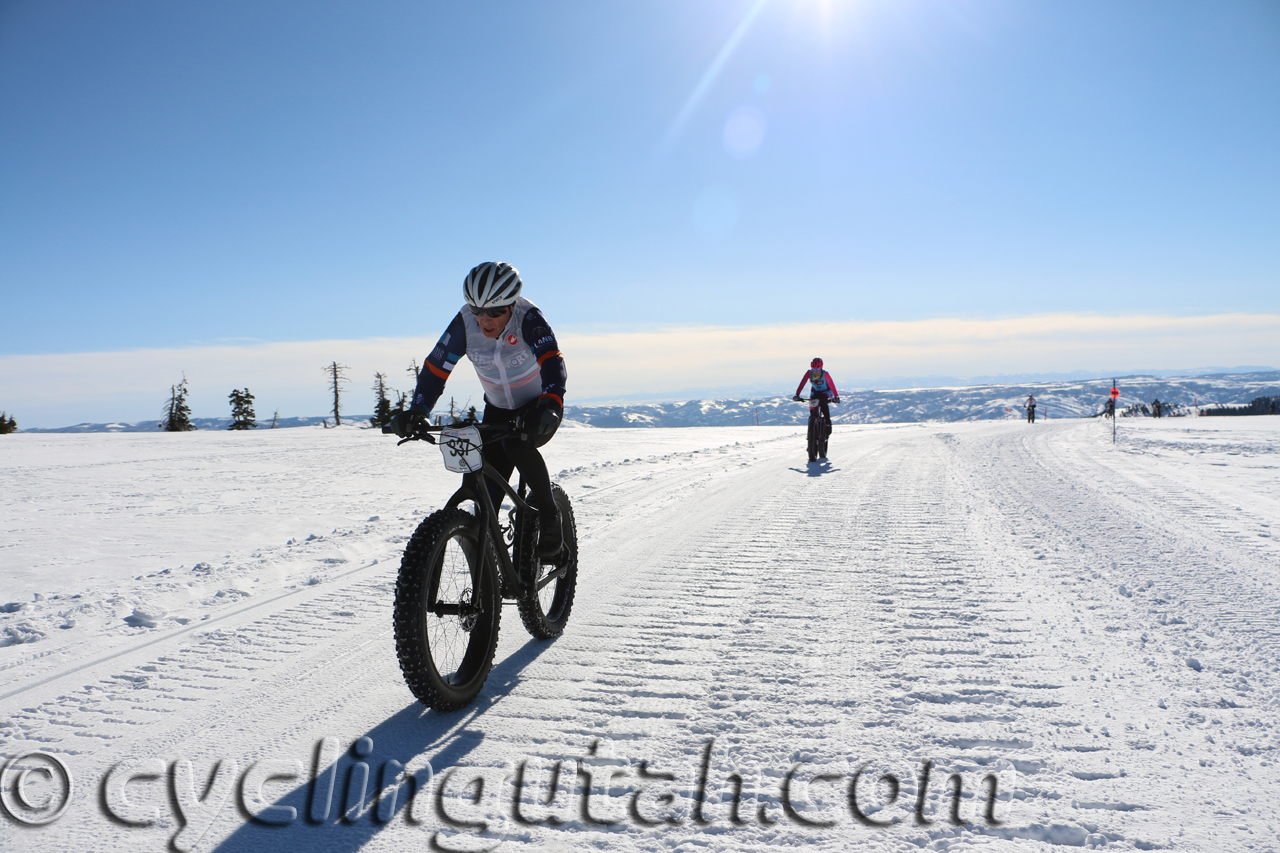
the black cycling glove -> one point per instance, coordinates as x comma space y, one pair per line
405, 424
541, 421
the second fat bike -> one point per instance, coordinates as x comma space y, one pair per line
819, 426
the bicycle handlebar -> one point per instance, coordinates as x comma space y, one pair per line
423, 432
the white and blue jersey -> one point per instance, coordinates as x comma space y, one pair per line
515, 368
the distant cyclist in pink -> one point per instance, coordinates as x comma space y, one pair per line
823, 384
824, 389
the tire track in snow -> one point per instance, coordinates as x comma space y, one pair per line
919, 601
1159, 539
214, 666
769, 622
1140, 717
257, 635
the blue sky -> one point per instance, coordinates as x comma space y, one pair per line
177, 179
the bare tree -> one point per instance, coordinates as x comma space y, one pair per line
337, 378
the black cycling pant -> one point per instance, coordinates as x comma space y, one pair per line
513, 453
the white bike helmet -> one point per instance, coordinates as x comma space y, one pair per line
491, 285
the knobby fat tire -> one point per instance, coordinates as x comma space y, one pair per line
549, 621
421, 568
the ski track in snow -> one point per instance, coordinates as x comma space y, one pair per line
1095, 627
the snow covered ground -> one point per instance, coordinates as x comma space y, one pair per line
763, 653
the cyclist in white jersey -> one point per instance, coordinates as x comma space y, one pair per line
519, 364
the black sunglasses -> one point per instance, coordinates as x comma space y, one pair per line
490, 312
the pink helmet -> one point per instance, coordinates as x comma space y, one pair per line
816, 364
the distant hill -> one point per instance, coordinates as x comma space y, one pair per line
1065, 399
199, 423
1061, 399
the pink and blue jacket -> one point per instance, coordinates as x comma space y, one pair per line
823, 385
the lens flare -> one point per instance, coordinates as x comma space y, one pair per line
709, 76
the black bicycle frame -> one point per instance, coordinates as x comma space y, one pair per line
474, 489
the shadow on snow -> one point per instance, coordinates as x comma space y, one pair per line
816, 469
352, 778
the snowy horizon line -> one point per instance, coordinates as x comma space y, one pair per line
44, 390
745, 394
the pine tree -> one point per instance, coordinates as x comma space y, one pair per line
382, 406
177, 414
471, 416
242, 414
337, 377
414, 370
275, 418
402, 401
7, 425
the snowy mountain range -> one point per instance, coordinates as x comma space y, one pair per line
1067, 398
1072, 399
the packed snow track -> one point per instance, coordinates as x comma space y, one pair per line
988, 635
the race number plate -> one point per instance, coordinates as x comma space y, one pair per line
461, 449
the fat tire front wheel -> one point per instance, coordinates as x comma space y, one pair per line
447, 611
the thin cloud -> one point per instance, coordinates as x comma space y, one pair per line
58, 390
697, 356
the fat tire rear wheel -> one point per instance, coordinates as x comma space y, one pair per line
447, 611
545, 611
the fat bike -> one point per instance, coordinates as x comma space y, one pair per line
460, 565
819, 425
